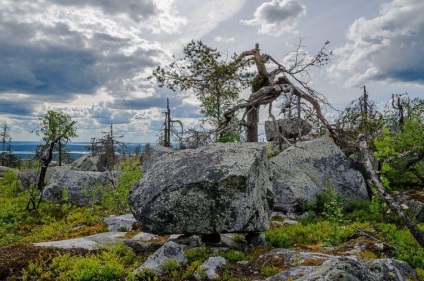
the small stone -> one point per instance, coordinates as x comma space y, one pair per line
289, 222
144, 236
169, 251
208, 269
121, 223
379, 246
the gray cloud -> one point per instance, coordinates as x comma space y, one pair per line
18, 108
55, 60
186, 111
277, 17
387, 47
144, 103
137, 10
104, 114
46, 70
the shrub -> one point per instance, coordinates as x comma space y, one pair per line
327, 204
108, 264
117, 200
233, 255
9, 185
317, 233
198, 254
268, 270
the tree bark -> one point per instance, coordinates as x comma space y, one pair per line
372, 176
253, 120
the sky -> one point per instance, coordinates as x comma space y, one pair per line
90, 59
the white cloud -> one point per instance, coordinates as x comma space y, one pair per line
168, 19
387, 47
277, 17
220, 39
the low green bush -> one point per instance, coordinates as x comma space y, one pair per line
110, 263
234, 256
116, 200
267, 271
317, 233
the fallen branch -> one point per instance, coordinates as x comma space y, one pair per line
364, 233
393, 205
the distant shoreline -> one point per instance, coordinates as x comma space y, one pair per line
26, 149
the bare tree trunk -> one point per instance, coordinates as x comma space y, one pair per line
60, 153
41, 176
372, 176
252, 128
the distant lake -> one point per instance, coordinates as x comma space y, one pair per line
26, 149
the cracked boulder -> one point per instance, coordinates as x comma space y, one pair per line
220, 188
307, 169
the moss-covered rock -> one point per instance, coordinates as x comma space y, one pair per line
216, 189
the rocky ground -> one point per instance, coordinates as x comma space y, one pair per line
241, 261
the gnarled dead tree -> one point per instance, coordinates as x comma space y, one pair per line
268, 86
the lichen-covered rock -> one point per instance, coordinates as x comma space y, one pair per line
92, 242
120, 223
208, 269
78, 187
3, 170
144, 237
289, 128
51, 170
297, 258
302, 171
169, 252
352, 269
153, 154
416, 207
215, 189
88, 162
294, 273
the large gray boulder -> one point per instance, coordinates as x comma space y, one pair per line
88, 162
352, 269
51, 170
305, 170
3, 170
289, 128
152, 155
215, 189
315, 266
78, 187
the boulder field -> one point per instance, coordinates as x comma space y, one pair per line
233, 187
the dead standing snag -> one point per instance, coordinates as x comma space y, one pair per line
268, 86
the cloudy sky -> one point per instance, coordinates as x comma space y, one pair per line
90, 58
